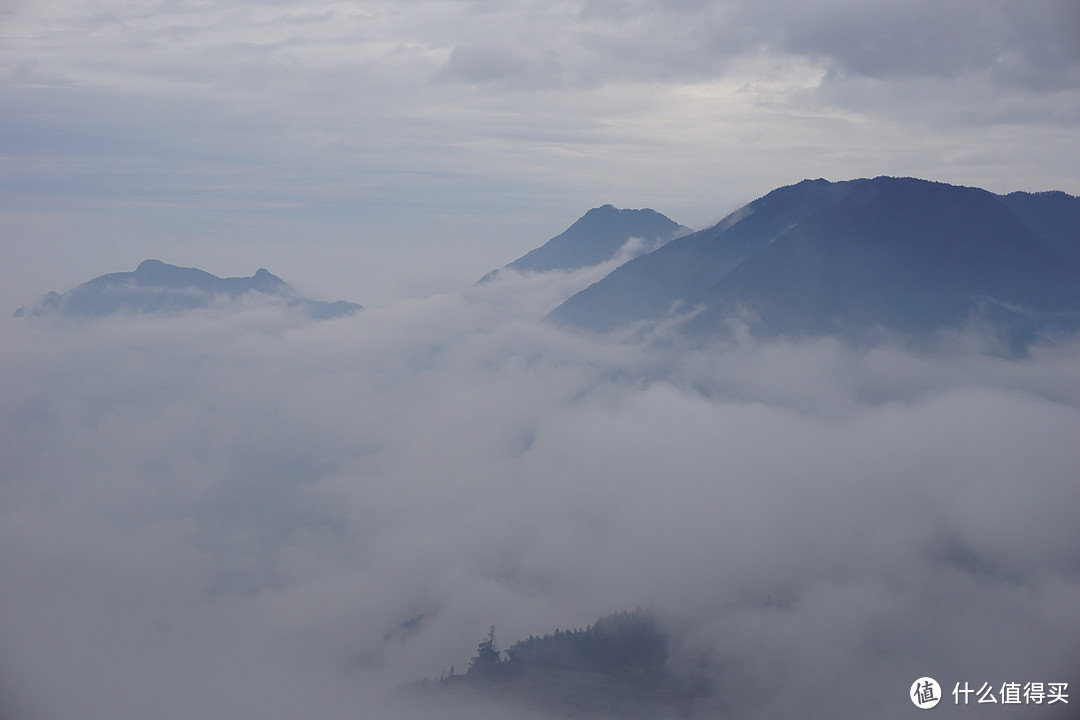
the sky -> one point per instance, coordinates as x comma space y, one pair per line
373, 151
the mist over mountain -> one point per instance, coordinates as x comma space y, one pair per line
238, 515
850, 257
156, 287
598, 236
617, 667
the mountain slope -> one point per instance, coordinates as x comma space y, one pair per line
1054, 215
597, 237
844, 257
157, 287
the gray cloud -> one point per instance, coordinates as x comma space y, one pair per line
229, 515
456, 127
493, 63
938, 39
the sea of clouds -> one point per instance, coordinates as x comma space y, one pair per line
245, 514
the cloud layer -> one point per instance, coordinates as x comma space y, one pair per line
233, 515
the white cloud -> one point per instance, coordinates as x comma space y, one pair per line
230, 515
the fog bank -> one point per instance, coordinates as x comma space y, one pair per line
233, 514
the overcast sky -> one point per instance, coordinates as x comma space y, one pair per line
382, 149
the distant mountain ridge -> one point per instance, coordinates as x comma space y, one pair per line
156, 287
844, 257
596, 237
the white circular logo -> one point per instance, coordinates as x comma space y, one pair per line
925, 693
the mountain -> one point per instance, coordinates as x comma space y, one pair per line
1054, 215
615, 668
157, 287
597, 237
847, 257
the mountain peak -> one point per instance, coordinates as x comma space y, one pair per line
606, 209
156, 287
821, 257
596, 237
147, 266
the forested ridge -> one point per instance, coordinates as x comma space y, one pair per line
617, 667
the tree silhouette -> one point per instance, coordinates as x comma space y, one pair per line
487, 656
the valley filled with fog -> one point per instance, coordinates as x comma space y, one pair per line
238, 512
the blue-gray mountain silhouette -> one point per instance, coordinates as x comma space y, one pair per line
844, 257
597, 237
157, 287
1054, 215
